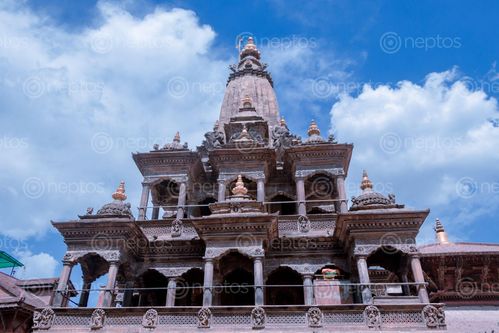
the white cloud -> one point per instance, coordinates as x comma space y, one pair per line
40, 265
80, 102
432, 143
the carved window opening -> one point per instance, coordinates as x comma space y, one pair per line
90, 267
321, 191
190, 288
285, 295
235, 273
152, 280
389, 265
165, 195
205, 210
283, 204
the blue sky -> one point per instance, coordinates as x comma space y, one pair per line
83, 84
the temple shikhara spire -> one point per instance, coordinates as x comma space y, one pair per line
257, 207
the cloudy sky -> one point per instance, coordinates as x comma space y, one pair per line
84, 83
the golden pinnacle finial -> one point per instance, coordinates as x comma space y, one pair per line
313, 129
366, 184
176, 138
250, 44
441, 234
239, 189
119, 194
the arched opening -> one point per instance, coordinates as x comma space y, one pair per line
283, 204
321, 192
389, 265
291, 292
190, 288
154, 292
204, 210
94, 271
165, 194
248, 183
236, 275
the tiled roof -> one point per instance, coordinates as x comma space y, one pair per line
18, 295
456, 248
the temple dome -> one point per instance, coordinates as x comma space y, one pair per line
370, 199
118, 207
249, 79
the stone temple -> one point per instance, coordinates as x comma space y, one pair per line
253, 230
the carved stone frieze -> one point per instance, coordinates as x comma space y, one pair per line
44, 319
150, 319
334, 172
109, 256
204, 318
367, 249
258, 318
253, 175
372, 316
177, 228
314, 317
177, 178
97, 320
303, 224
434, 317
250, 251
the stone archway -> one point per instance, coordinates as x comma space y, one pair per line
190, 288
235, 274
154, 290
291, 292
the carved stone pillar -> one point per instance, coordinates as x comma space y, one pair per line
308, 289
258, 277
221, 190
144, 200
85, 293
417, 272
300, 195
340, 183
181, 200
128, 293
60, 299
111, 281
208, 282
260, 189
364, 279
155, 212
171, 292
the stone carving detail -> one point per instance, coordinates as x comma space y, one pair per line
150, 319
314, 317
250, 251
97, 320
332, 171
171, 271
253, 175
214, 139
372, 316
116, 208
44, 319
73, 256
204, 318
258, 317
365, 250
177, 228
434, 317
303, 223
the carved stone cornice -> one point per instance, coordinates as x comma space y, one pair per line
173, 271
253, 175
175, 177
365, 250
250, 251
109, 256
305, 173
